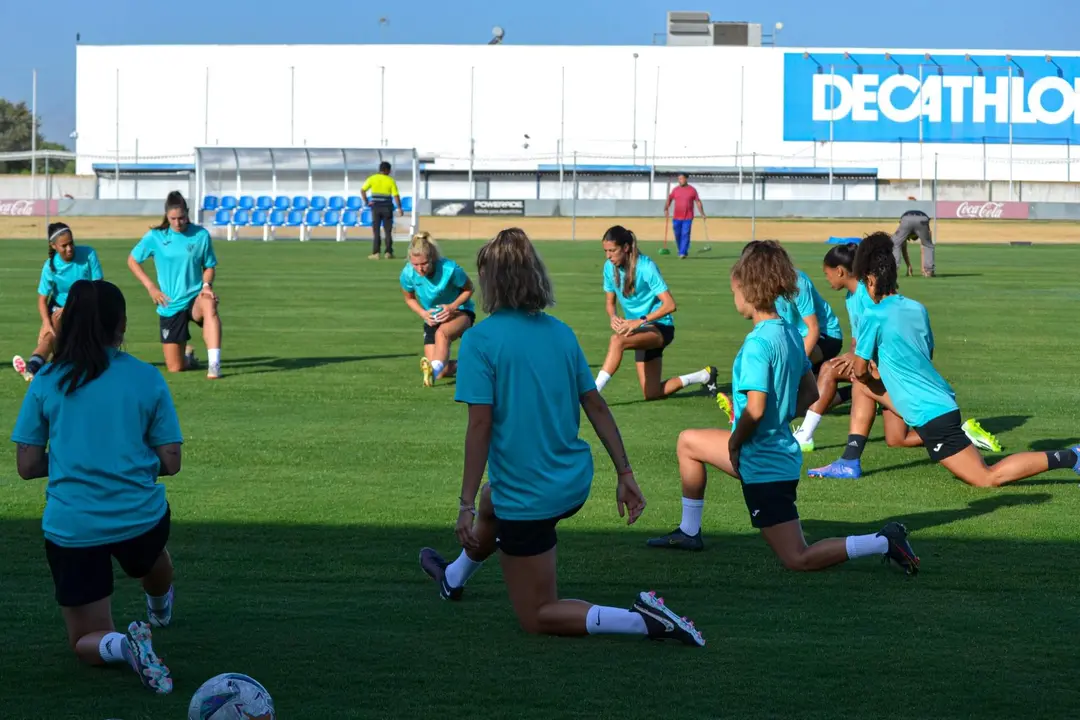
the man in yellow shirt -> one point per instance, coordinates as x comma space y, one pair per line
384, 194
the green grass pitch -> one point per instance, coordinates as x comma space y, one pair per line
317, 468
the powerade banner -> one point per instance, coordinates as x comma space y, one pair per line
958, 105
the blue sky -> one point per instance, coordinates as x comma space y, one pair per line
45, 38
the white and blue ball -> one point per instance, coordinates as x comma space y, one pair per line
231, 696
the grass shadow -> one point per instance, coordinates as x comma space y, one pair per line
1003, 423
1051, 444
957, 275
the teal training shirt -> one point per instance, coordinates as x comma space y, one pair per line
103, 471
57, 275
856, 303
648, 286
771, 360
530, 368
180, 259
895, 333
443, 287
808, 301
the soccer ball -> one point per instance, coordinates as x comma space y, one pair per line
231, 696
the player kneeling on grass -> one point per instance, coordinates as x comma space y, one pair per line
525, 380
186, 266
111, 430
895, 333
839, 270
438, 290
772, 383
66, 265
646, 327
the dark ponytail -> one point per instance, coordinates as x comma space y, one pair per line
93, 315
874, 258
56, 229
626, 241
841, 256
175, 201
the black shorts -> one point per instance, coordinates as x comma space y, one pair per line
83, 575
771, 503
174, 328
668, 333
943, 436
528, 538
830, 347
429, 330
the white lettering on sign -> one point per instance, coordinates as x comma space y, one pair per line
866, 97
23, 208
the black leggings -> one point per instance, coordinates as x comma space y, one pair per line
382, 217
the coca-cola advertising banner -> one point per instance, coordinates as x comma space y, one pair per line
28, 208
978, 210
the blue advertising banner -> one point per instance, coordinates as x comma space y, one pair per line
941, 99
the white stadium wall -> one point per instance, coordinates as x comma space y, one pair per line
716, 106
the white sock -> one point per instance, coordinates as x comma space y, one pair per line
112, 648
701, 376
603, 620
601, 380
691, 516
437, 367
157, 603
809, 425
866, 545
214, 356
459, 571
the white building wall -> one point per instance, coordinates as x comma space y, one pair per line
716, 106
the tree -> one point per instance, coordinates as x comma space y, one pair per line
15, 122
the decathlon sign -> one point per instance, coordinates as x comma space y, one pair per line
941, 99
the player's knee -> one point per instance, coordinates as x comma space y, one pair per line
685, 444
530, 623
652, 393
894, 441
616, 341
796, 562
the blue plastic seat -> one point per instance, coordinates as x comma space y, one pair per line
277, 218
246, 202
365, 217
264, 202
281, 202
331, 218
337, 203
406, 203
300, 202
210, 202
241, 218
259, 218
222, 218
354, 203
228, 202
295, 218
318, 202
313, 217
350, 218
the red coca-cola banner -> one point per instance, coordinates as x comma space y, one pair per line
28, 208
979, 210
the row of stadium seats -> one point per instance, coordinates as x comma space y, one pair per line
303, 220
213, 203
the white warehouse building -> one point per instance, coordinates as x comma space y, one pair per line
849, 117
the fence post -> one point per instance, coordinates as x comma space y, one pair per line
935, 197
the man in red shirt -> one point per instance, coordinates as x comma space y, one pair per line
685, 197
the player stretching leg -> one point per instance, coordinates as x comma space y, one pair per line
440, 292
772, 382
111, 430
66, 265
896, 330
186, 267
646, 327
525, 380
915, 224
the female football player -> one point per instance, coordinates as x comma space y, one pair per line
111, 431
67, 264
646, 326
772, 383
895, 333
184, 293
438, 290
525, 379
